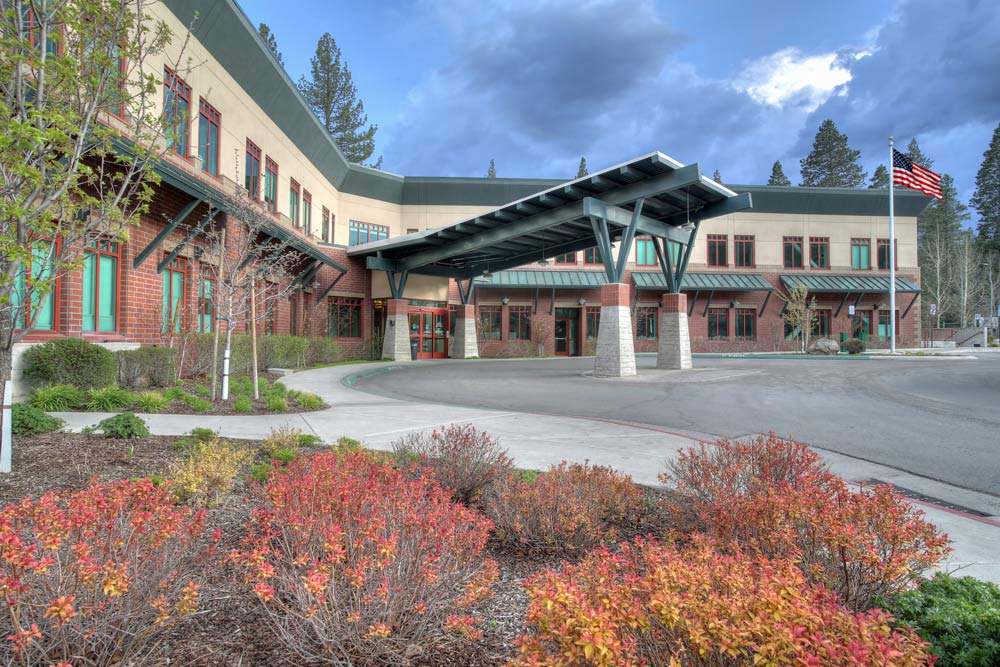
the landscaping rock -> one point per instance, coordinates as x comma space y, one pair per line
824, 346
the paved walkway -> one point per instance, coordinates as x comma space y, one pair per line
534, 441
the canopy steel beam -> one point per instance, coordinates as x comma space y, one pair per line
304, 279
666, 265
693, 299
603, 238
625, 249
164, 233
760, 313
397, 287
465, 294
192, 233
621, 217
329, 287
735, 204
682, 269
708, 303
907, 311
841, 306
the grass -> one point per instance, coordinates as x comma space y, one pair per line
346, 362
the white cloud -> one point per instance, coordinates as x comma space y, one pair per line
788, 77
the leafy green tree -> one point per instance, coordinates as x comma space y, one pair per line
66, 173
331, 94
778, 175
880, 179
270, 42
582, 171
832, 163
986, 199
492, 171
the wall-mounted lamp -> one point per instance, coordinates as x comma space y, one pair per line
315, 284
734, 304
582, 301
505, 301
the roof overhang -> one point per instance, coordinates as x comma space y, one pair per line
711, 281
558, 220
847, 284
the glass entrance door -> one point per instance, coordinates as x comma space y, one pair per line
428, 331
567, 332
561, 336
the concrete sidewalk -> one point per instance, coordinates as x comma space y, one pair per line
537, 441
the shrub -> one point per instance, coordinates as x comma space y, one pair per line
355, 563
204, 477
284, 456
283, 437
276, 403
321, 350
175, 394
28, 420
657, 604
960, 617
69, 361
202, 391
567, 508
308, 401
57, 398
854, 346
260, 472
241, 386
151, 401
463, 459
275, 389
777, 498
309, 440
281, 351
109, 399
103, 573
203, 434
242, 404
124, 427
197, 404
146, 367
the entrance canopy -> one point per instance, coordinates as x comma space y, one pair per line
652, 196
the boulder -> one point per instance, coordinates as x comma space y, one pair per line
824, 346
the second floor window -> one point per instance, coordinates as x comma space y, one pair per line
568, 258
366, 232
271, 185
251, 180
883, 255
717, 247
645, 253
792, 252
307, 212
861, 254
293, 201
592, 256
819, 252
744, 250
209, 120
177, 110
326, 225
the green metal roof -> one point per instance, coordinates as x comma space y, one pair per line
550, 279
851, 284
719, 282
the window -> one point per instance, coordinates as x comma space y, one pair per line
293, 201
793, 252
366, 232
412, 230
717, 250
209, 120
269, 298
718, 323
821, 324
173, 295
861, 254
593, 322
343, 319
293, 314
569, 258
100, 286
744, 250
861, 324
53, 33
177, 110
883, 323
645, 253
251, 180
519, 323
307, 206
746, 323
882, 250
42, 309
819, 252
592, 256
489, 322
326, 225
206, 304
645, 323
271, 184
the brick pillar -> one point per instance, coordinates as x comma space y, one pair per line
615, 346
673, 351
396, 344
464, 344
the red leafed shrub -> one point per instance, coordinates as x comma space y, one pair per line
567, 508
462, 459
95, 577
658, 604
777, 498
358, 563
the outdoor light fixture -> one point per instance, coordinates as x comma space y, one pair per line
505, 300
486, 274
688, 227
582, 301
315, 284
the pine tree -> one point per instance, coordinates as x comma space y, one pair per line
582, 171
331, 94
832, 163
492, 172
717, 177
986, 199
880, 179
914, 153
778, 175
271, 42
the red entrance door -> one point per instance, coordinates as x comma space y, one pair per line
428, 330
566, 334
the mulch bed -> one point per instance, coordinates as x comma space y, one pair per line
230, 629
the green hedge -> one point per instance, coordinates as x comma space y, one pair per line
195, 352
70, 361
146, 367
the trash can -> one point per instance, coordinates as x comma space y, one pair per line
414, 347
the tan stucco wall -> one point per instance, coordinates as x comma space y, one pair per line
427, 288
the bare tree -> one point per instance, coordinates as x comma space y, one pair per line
968, 284
936, 271
800, 312
74, 81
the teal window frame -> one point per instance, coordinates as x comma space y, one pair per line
861, 254
271, 184
39, 266
744, 251
307, 206
792, 252
101, 286
366, 232
206, 304
251, 179
173, 295
645, 252
177, 110
294, 194
209, 135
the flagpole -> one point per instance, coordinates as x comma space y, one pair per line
892, 261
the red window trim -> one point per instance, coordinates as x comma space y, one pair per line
745, 312
791, 240
745, 238
117, 254
860, 241
55, 294
268, 163
514, 314
879, 243
639, 239
307, 201
820, 241
254, 151
596, 256
326, 230
295, 188
205, 277
348, 301
177, 85
642, 315
214, 117
559, 259
491, 310
717, 312
34, 29
368, 228
716, 239
185, 272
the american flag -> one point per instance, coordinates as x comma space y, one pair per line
909, 174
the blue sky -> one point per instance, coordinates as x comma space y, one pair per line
535, 84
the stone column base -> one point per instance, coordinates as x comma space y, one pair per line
396, 343
673, 351
615, 345
464, 344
